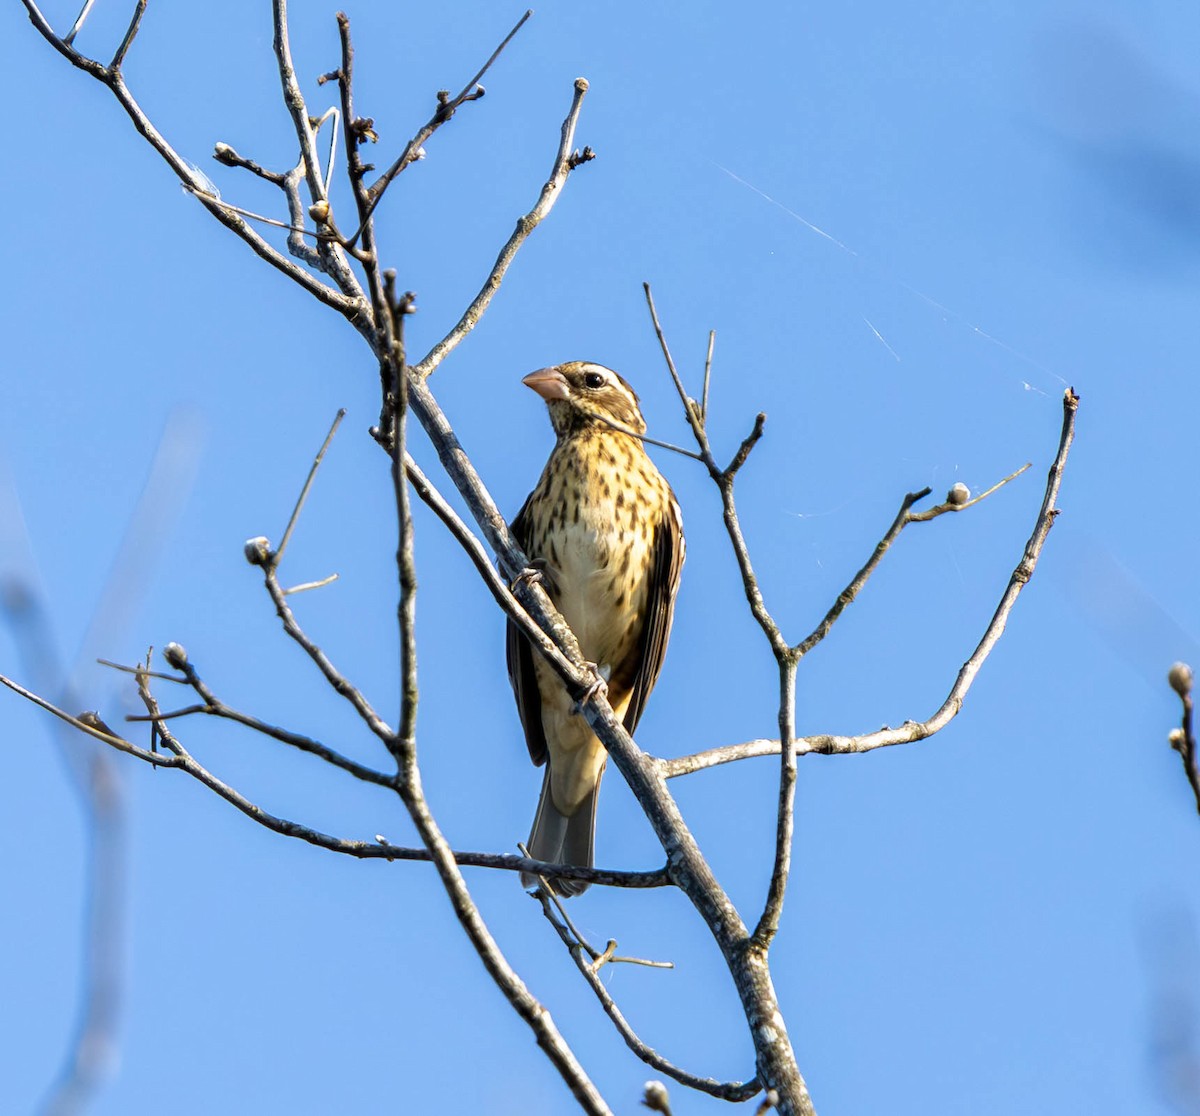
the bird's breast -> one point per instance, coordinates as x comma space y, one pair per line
595, 530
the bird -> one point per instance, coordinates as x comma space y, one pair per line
604, 531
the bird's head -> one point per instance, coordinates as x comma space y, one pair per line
580, 393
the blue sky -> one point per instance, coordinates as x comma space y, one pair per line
911, 228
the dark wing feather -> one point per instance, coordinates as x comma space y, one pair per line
660, 610
520, 664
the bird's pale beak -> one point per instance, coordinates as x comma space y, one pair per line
549, 383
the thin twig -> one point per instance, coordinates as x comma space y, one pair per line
210, 198
690, 413
848, 595
84, 726
130, 34
599, 958
139, 670
580, 952
306, 586
712, 337
525, 225
293, 98
227, 156
406, 565
308, 483
950, 505
338, 681
620, 428
77, 26
904, 517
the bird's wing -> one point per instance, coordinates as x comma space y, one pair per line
520, 664
660, 609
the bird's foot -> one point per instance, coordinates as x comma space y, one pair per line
538, 572
598, 686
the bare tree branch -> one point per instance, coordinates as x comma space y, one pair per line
912, 731
354, 309
565, 160
535, 1015
179, 759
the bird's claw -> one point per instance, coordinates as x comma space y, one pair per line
598, 686
538, 572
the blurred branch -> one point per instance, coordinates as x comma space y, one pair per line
96, 779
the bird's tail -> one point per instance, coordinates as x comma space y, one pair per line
558, 839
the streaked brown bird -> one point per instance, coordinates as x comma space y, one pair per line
603, 527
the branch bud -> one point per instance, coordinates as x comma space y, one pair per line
1180, 678
655, 1098
176, 655
223, 153
1177, 738
319, 211
958, 495
258, 551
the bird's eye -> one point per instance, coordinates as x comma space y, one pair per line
593, 380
